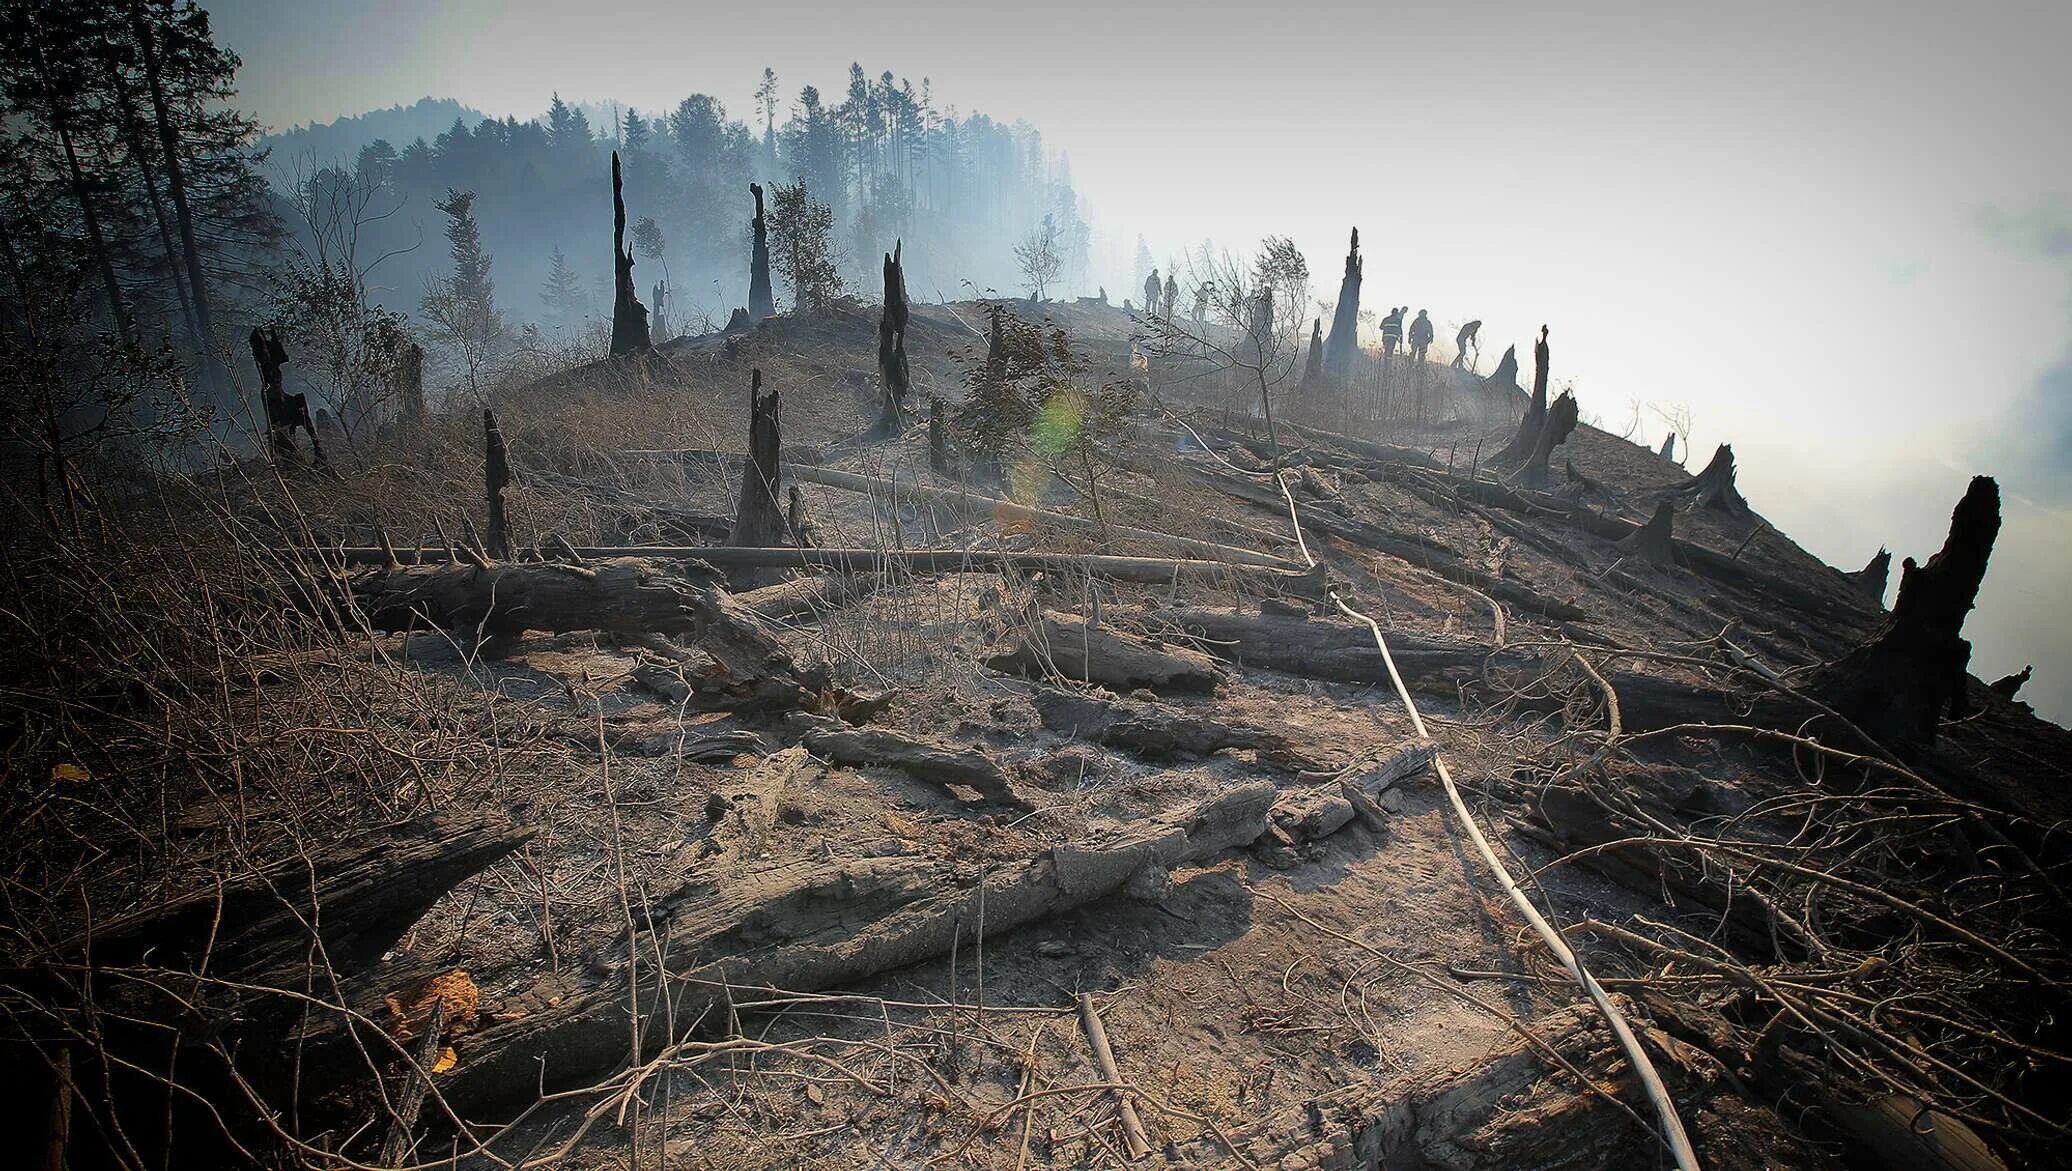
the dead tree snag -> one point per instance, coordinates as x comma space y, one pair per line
1313, 368
629, 316
1554, 431
1527, 437
284, 411
760, 303
496, 475
893, 374
1871, 578
1345, 319
1898, 685
2009, 686
759, 520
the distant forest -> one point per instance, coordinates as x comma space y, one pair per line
145, 219
890, 163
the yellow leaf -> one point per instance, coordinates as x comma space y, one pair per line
447, 1060
69, 772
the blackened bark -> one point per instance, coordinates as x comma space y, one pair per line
1313, 370
496, 475
1871, 578
1560, 424
2009, 686
759, 521
1345, 319
1527, 438
1654, 541
629, 316
893, 375
409, 382
1898, 685
284, 411
1714, 487
760, 303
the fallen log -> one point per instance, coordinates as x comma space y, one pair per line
934, 764
1075, 649
1156, 731
628, 596
1308, 815
1307, 583
1325, 649
810, 925
1383, 452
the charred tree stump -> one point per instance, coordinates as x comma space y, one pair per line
496, 476
1559, 425
2009, 686
1669, 446
759, 520
629, 316
1714, 487
1505, 380
410, 383
894, 377
1871, 578
760, 303
1898, 685
1345, 319
1527, 438
938, 439
1313, 369
284, 411
1654, 541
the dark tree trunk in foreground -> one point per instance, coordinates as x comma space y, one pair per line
760, 303
284, 411
1872, 577
1898, 685
629, 316
496, 474
1528, 435
893, 376
1714, 487
1313, 369
759, 521
1345, 319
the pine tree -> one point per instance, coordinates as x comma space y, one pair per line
563, 291
462, 308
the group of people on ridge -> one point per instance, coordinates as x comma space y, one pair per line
1420, 333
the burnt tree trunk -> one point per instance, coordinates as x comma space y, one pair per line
284, 411
893, 375
629, 316
1527, 437
1872, 577
760, 303
1505, 379
1313, 369
1654, 541
1558, 426
1345, 319
496, 475
1714, 487
938, 439
409, 385
1898, 685
1669, 446
2009, 686
759, 519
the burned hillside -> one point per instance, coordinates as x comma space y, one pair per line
975, 734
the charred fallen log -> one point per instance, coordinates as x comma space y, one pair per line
1075, 649
1156, 731
945, 767
1325, 649
813, 924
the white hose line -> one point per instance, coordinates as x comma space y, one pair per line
1673, 1134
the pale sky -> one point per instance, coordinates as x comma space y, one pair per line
1767, 211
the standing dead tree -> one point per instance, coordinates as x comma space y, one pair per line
284, 411
1560, 424
1505, 380
1654, 541
1714, 487
496, 476
761, 303
1897, 686
1345, 318
629, 316
894, 377
1313, 367
1527, 437
759, 520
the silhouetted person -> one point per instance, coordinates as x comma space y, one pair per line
1464, 339
1153, 287
1392, 332
1172, 294
1420, 336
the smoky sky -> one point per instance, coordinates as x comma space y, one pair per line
1777, 214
